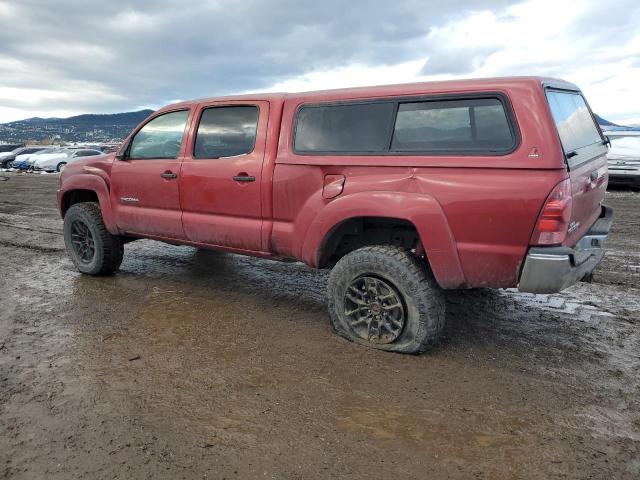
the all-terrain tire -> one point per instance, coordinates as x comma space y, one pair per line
424, 303
108, 248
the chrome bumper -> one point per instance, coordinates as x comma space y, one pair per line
551, 269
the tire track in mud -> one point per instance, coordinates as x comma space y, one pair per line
35, 224
39, 248
31, 233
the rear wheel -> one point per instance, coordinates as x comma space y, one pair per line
92, 248
60, 166
386, 298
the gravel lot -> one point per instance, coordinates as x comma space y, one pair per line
194, 364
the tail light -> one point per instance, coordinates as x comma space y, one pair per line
554, 219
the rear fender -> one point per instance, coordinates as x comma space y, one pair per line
95, 183
423, 211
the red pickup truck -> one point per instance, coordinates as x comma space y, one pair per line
403, 191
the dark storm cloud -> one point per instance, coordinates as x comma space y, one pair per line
148, 52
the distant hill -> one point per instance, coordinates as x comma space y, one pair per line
607, 125
604, 123
91, 127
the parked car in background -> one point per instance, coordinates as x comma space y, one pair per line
7, 157
55, 162
9, 147
109, 148
20, 154
25, 162
624, 162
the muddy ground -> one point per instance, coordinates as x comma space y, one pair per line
192, 364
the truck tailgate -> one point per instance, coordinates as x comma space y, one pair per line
588, 186
586, 158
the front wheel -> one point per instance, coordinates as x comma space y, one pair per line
60, 166
92, 248
386, 298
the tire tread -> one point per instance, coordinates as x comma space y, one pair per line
112, 246
413, 272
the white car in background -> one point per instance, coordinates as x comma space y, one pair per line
56, 161
24, 154
6, 158
624, 162
48, 153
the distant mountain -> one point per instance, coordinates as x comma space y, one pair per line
613, 127
604, 123
80, 128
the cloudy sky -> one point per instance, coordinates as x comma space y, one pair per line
64, 57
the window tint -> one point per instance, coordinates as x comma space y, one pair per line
160, 138
573, 120
226, 131
87, 153
452, 126
344, 128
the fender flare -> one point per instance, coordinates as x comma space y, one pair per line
95, 183
421, 210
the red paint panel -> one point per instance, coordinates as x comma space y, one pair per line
144, 202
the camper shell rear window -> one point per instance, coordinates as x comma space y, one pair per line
576, 127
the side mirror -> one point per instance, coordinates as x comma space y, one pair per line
122, 153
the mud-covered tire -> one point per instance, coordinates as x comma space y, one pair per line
108, 248
424, 303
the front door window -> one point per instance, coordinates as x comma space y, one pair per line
160, 138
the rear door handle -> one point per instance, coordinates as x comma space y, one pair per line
243, 177
169, 175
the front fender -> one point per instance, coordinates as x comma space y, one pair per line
422, 210
95, 183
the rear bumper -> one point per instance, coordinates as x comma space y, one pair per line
552, 269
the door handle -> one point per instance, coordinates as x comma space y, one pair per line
169, 175
243, 177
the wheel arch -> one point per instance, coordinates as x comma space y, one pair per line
405, 214
355, 232
87, 188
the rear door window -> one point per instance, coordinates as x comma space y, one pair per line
576, 127
226, 131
